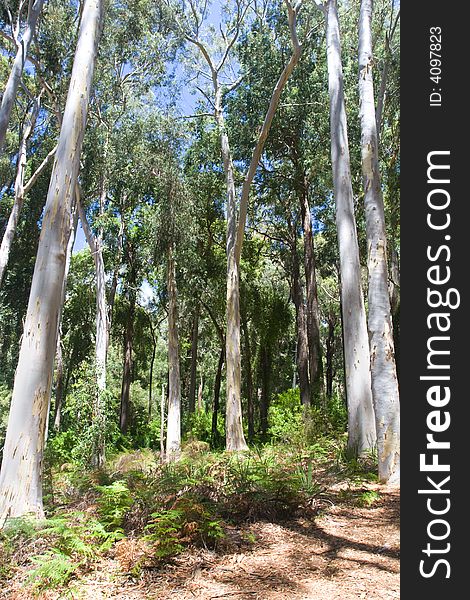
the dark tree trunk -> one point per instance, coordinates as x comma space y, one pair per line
249, 378
265, 389
313, 313
215, 435
127, 372
301, 322
194, 343
330, 351
124, 416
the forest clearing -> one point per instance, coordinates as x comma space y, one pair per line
199, 299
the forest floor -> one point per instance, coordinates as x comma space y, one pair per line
346, 550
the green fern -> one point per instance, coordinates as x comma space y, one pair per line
114, 502
53, 569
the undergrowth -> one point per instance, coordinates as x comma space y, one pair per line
144, 517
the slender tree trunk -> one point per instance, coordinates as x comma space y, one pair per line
200, 406
313, 312
265, 389
173, 434
114, 282
330, 349
361, 420
11, 89
20, 189
301, 325
59, 388
394, 289
152, 363
124, 416
101, 335
234, 436
21, 473
249, 379
162, 425
215, 436
382, 360
193, 373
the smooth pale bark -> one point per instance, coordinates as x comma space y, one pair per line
361, 419
21, 189
14, 79
394, 290
312, 308
194, 343
235, 438
95, 244
382, 359
21, 473
173, 429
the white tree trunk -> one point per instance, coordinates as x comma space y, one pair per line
361, 422
21, 189
21, 473
382, 358
14, 79
173, 433
234, 436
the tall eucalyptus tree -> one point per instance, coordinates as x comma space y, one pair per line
21, 471
382, 359
361, 420
22, 46
237, 211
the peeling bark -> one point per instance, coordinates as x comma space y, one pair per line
21, 473
382, 359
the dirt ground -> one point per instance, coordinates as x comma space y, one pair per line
345, 552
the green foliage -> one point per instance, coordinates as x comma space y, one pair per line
368, 498
15, 533
5, 399
190, 521
198, 425
290, 423
114, 501
53, 570
285, 418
